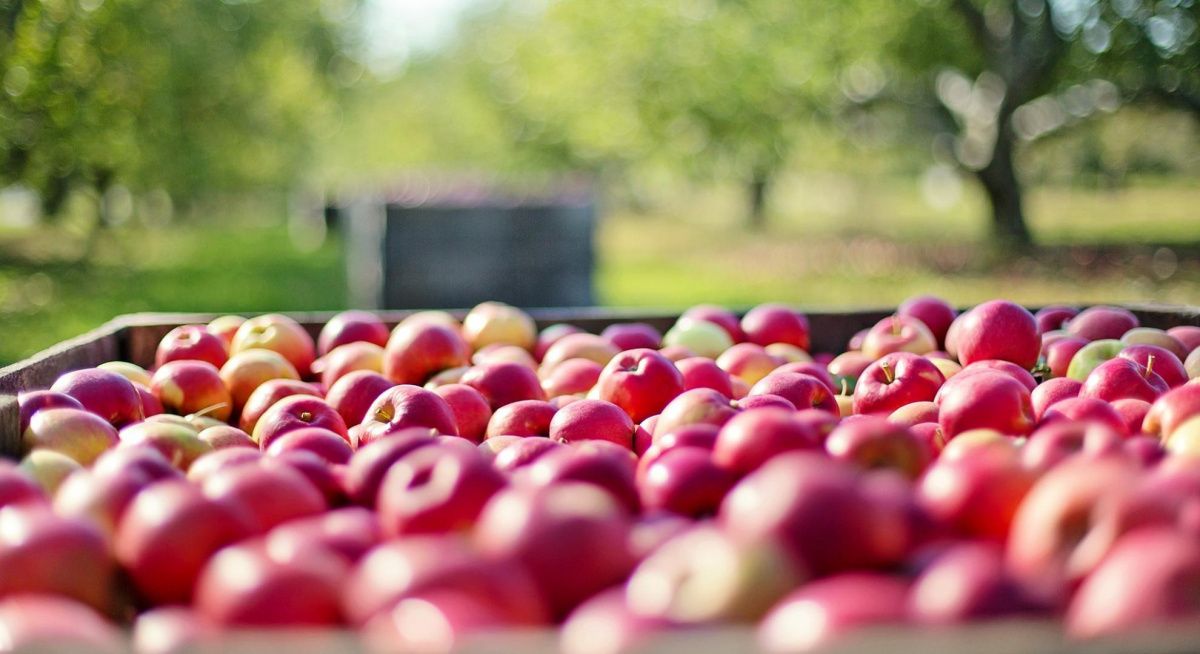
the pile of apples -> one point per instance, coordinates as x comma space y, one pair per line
441, 481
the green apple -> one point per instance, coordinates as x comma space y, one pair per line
704, 338
1091, 355
49, 468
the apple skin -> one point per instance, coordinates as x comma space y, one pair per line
348, 533
1121, 378
914, 413
79, 434
504, 383
898, 334
1090, 356
1084, 409
266, 395
696, 406
702, 372
33, 401
874, 442
1100, 322
41, 552
1156, 337
168, 533
608, 613
1132, 413
1005, 367
1054, 316
776, 323
179, 444
17, 488
848, 367
1061, 352
1052, 391
171, 629
347, 358
592, 419
470, 408
495, 322
279, 333
438, 621
405, 406
186, 387
703, 436
719, 316
104, 393
436, 490
352, 395
224, 327
699, 337
1187, 335
51, 623
812, 369
242, 585
1145, 582
641, 382
1164, 363
324, 443
936, 313
589, 462
1171, 410
371, 461
48, 469
417, 351
821, 611
522, 418
246, 371
968, 581
271, 492
895, 380
986, 400
570, 377
549, 336
748, 361
684, 480
548, 530
351, 327
1060, 440
632, 335
581, 345
298, 412
977, 492
999, 330
753, 437
144, 462
497, 353
150, 404
767, 400
191, 342
804, 391
209, 464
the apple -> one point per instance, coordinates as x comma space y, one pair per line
700, 337
352, 395
973, 439
548, 530
171, 629
191, 342
130, 371
504, 383
1090, 356
99, 499
632, 335
432, 315
179, 444
999, 330
1100, 322
608, 614
1084, 409
1052, 391
210, 463
702, 372
1185, 439
299, 412
570, 377
144, 462
371, 461
347, 358
523, 452
48, 469
405, 406
848, 367
748, 361
720, 316
895, 380
768, 400
874, 442
278, 333
1054, 316
436, 490
936, 313
977, 491
31, 402
776, 323
351, 327
592, 462
246, 371
150, 404
1123, 378
968, 581
79, 434
497, 353
1006, 367
523, 418
641, 382
348, 533
947, 367
1158, 360
270, 494
1156, 337
702, 436
1187, 335
242, 585
820, 612
439, 621
41, 552
753, 437
46, 623
224, 328
549, 336
580, 345
914, 413
496, 322
17, 488
104, 393
988, 400
789, 353
470, 408
684, 480
1132, 413
324, 443
804, 391
417, 351
696, 406
1060, 440
898, 334
1192, 364
592, 419
188, 386
267, 394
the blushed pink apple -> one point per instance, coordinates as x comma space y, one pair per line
436, 490
1052, 391
1121, 378
748, 361
641, 382
186, 387
570, 377
471, 410
986, 400
874, 442
804, 391
417, 351
1158, 360
1054, 316
592, 419
297, 412
33, 401
278, 333
351, 327
191, 342
776, 323
522, 418
352, 395
895, 380
550, 335
347, 358
820, 612
1101, 322
751, 438
936, 313
1133, 413
246, 371
998, 330
898, 334
504, 383
405, 406
104, 393
632, 335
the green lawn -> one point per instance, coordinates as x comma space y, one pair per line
873, 245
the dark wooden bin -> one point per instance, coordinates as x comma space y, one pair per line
135, 337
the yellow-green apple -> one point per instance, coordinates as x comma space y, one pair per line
1084, 409
522, 418
1158, 360
1120, 378
352, 395
976, 492
1192, 364
523, 452
968, 581
1053, 317
720, 316
48, 469
701, 337
496, 322
43, 553
104, 393
632, 335
345, 359
320, 441
776, 323
591, 462
188, 386
189, 342
179, 444
914, 413
550, 335
246, 371
271, 494
874, 442
31, 402
947, 367
499, 353
1132, 413
789, 353
696, 406
592, 419
898, 334
820, 612
471, 410
1152, 336
436, 490
436, 316
351, 327
748, 361
547, 530
706, 575
936, 313
223, 436
641, 382
1090, 356
504, 383
753, 437
998, 330
804, 391
1185, 439
267, 394
579, 346
848, 366
299, 412
79, 434
243, 585
278, 333
417, 351
130, 371
896, 379
685, 481
1101, 322
404, 406
1057, 441
702, 372
985, 400
570, 377
224, 327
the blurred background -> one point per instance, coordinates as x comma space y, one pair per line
224, 156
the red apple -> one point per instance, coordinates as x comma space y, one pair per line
298, 412
977, 492
632, 335
753, 437
45, 623
436, 490
523, 452
522, 418
898, 334
719, 316
470, 408
41, 552
191, 342
17, 488
1171, 410
820, 612
1120, 378
1158, 360
581, 345
79, 434
895, 380
1187, 335
242, 585
1060, 352
246, 371
702, 372
326, 444
496, 322
1156, 337
271, 494
985, 400
606, 618
33, 401
104, 393
848, 367
1132, 413
874, 442
405, 406
696, 406
504, 383
936, 313
186, 387
748, 361
592, 463
641, 382
348, 533
1054, 316
267, 394
217, 460
1052, 391
181, 445
1084, 409
417, 351
99, 499
776, 323
223, 436
914, 413
768, 400
438, 621
1060, 440
592, 419
804, 391
999, 330
351, 327
570, 377
345, 359
224, 327
684, 480
371, 461
550, 335
278, 333
1096, 323
967, 581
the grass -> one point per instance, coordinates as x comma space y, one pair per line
831, 243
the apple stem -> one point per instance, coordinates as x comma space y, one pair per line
845, 386
887, 371
1149, 365
209, 409
896, 328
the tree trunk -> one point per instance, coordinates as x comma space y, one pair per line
999, 180
758, 186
